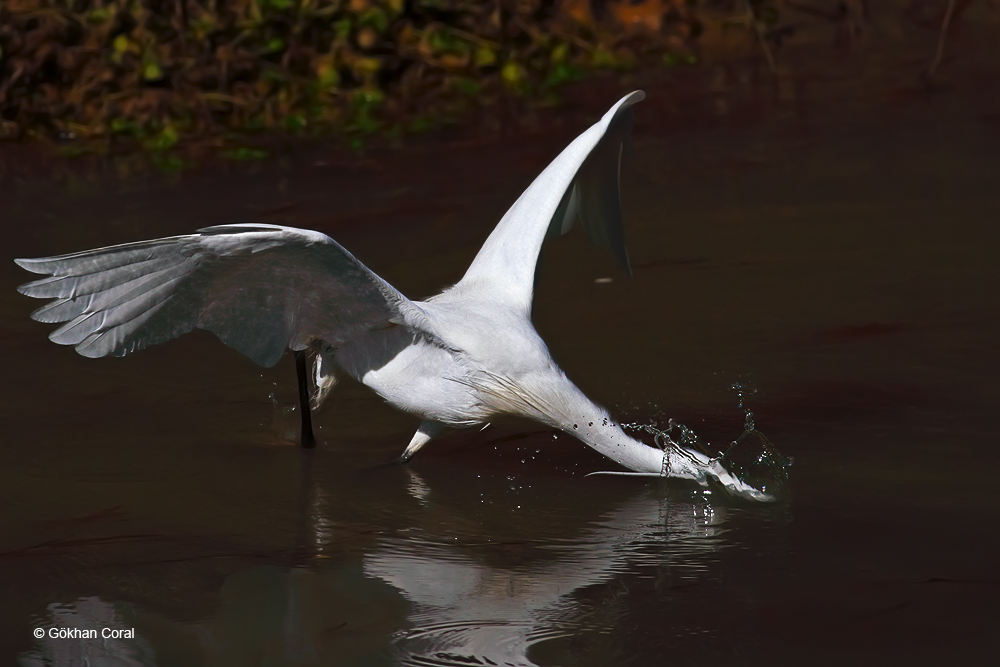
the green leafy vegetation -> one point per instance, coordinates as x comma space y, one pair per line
151, 74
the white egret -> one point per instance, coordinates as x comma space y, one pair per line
457, 359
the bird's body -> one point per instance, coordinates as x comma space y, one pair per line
465, 378
456, 359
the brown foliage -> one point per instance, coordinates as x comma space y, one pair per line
152, 71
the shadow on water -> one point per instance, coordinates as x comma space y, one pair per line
840, 266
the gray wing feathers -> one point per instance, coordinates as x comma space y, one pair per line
78, 294
259, 288
599, 184
594, 197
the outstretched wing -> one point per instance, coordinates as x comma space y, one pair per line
583, 181
259, 288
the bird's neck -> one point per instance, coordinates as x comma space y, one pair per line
564, 406
604, 435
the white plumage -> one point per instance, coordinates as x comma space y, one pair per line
456, 359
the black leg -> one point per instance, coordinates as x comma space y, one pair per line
306, 437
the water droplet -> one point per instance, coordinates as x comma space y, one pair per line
738, 388
754, 461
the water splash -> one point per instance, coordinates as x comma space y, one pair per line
750, 468
756, 462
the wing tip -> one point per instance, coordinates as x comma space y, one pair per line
31, 289
627, 102
39, 314
89, 352
619, 116
634, 96
30, 265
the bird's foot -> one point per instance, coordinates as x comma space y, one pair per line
428, 429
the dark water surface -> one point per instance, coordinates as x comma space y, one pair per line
845, 268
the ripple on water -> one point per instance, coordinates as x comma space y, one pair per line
467, 642
473, 606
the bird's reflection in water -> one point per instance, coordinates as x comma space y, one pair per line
467, 612
411, 595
